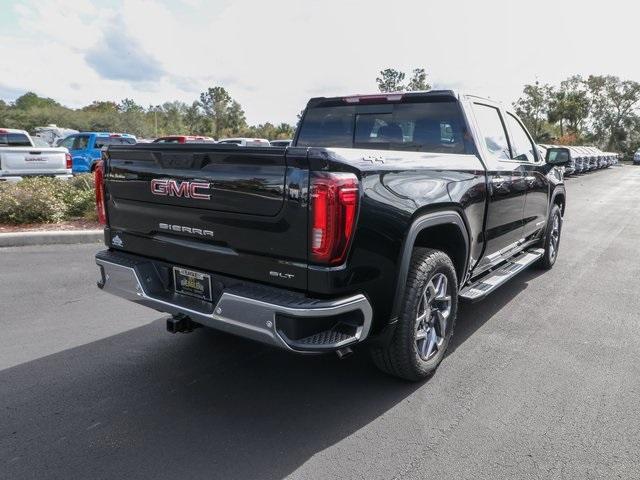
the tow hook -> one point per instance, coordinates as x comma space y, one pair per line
344, 352
181, 324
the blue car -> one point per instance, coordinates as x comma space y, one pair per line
85, 147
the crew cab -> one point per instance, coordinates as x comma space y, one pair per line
85, 147
384, 213
20, 157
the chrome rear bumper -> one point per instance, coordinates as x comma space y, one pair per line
254, 316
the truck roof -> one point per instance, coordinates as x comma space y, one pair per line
106, 134
388, 96
395, 96
13, 130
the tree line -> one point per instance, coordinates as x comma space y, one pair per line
215, 113
602, 110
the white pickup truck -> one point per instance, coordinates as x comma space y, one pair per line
20, 157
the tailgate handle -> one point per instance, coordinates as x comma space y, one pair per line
174, 160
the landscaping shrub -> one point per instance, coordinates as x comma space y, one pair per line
47, 200
79, 197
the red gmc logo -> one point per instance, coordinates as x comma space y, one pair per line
171, 188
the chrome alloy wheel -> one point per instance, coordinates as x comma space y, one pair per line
555, 237
433, 313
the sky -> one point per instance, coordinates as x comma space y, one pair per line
272, 56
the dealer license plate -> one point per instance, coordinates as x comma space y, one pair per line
189, 282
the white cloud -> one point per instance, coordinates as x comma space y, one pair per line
119, 56
272, 56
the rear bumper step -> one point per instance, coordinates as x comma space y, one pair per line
269, 315
482, 287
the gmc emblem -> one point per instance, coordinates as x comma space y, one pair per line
171, 188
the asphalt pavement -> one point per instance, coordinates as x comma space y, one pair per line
542, 379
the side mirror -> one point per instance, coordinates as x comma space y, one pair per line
558, 156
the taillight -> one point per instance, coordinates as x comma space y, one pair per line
99, 184
333, 207
68, 163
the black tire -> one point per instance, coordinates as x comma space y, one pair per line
551, 242
401, 356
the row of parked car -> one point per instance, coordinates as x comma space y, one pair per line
23, 155
85, 147
584, 159
241, 141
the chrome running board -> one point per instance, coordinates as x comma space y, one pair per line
486, 284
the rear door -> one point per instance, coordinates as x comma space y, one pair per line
236, 211
535, 176
506, 186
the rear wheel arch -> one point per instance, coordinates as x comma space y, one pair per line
445, 231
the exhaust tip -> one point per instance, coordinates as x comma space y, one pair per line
344, 352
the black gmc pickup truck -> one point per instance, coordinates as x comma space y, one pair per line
384, 212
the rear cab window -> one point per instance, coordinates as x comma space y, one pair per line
14, 140
104, 141
432, 125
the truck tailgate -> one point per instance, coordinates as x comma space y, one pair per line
32, 160
225, 209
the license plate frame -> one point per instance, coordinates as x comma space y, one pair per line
192, 283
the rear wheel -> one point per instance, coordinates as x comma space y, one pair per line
551, 241
427, 318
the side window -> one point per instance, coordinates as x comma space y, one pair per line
523, 148
67, 142
81, 142
492, 130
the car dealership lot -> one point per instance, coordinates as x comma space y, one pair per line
542, 379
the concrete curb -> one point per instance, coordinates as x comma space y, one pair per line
21, 239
